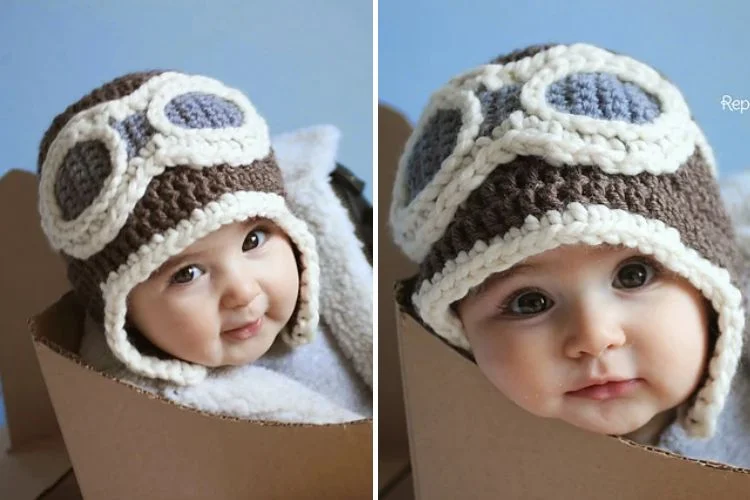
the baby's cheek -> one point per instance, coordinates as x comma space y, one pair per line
190, 334
500, 366
516, 373
506, 359
198, 333
673, 367
284, 285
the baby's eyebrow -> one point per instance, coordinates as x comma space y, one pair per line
500, 276
176, 261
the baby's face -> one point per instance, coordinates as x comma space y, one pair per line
224, 299
601, 337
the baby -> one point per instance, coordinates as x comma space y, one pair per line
163, 194
564, 210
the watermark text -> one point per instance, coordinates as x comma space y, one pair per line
728, 103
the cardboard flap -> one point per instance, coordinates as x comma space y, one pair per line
465, 434
393, 131
33, 277
124, 443
60, 326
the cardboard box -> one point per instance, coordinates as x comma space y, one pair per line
33, 459
465, 436
124, 443
393, 450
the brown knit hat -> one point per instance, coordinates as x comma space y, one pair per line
555, 145
141, 168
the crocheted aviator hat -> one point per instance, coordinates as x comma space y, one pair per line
555, 145
142, 168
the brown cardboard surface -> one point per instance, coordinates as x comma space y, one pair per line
393, 464
403, 490
65, 489
29, 470
32, 453
32, 277
126, 444
467, 440
393, 130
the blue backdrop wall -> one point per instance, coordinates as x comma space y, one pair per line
701, 46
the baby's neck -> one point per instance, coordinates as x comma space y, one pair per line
649, 433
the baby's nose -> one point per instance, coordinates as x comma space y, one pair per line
593, 331
240, 292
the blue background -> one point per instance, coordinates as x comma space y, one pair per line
703, 47
301, 63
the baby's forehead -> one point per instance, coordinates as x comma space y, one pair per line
586, 252
557, 259
227, 234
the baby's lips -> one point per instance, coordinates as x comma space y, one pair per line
607, 390
246, 331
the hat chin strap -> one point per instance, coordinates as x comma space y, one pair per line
593, 225
229, 208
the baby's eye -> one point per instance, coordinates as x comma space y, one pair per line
254, 239
528, 303
186, 274
634, 275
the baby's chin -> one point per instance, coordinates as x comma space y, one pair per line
619, 422
228, 361
617, 426
609, 428
233, 355
250, 351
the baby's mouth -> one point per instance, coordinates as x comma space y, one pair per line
245, 331
607, 389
